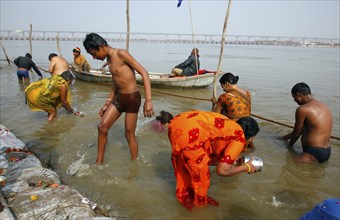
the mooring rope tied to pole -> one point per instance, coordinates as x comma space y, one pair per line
254, 115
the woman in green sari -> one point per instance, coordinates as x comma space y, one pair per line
49, 94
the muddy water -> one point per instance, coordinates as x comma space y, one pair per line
145, 188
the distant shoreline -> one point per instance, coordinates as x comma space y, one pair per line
172, 38
260, 43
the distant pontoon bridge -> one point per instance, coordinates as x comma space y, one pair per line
170, 38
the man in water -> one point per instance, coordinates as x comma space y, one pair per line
58, 65
24, 64
313, 122
124, 96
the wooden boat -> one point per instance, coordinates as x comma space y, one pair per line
93, 76
156, 79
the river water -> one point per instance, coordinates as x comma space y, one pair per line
145, 188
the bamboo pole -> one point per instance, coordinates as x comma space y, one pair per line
128, 24
3, 48
58, 47
222, 50
30, 39
30, 43
193, 38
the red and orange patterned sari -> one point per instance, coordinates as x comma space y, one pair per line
235, 104
198, 138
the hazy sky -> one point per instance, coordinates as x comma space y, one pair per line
290, 18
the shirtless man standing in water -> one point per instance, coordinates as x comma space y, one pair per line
124, 95
313, 122
58, 64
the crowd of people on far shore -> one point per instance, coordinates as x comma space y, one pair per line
198, 138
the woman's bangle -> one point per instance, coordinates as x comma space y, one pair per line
109, 100
249, 168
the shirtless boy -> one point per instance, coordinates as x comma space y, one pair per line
124, 96
58, 65
313, 121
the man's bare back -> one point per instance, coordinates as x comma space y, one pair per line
317, 124
58, 65
313, 122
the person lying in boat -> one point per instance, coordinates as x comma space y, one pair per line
201, 139
79, 63
58, 65
189, 67
50, 93
124, 95
313, 122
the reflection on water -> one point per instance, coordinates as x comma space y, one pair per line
145, 188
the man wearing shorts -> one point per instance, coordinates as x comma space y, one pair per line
124, 95
24, 64
313, 122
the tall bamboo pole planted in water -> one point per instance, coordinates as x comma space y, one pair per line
222, 49
193, 38
30, 39
128, 24
58, 47
3, 48
30, 42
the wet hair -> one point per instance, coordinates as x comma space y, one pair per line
230, 78
51, 56
28, 55
164, 117
302, 88
249, 126
94, 41
67, 75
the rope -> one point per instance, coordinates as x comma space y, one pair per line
181, 96
256, 116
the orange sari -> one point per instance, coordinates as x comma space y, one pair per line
235, 104
198, 138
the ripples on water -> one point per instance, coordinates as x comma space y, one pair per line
145, 188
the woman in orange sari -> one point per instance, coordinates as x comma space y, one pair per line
200, 139
235, 103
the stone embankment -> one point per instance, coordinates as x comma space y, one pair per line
30, 191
